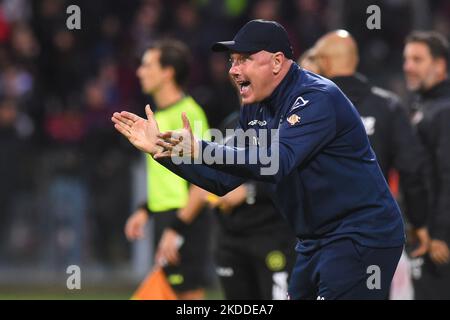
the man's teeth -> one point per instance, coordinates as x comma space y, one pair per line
244, 88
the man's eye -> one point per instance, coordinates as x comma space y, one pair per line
239, 61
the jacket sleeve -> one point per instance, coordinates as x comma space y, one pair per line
441, 221
410, 160
297, 140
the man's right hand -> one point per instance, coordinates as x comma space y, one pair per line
439, 252
134, 228
140, 132
423, 239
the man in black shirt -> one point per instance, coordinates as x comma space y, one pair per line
425, 67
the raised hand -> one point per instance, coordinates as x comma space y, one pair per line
179, 143
142, 133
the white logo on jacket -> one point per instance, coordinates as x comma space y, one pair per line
369, 124
258, 122
299, 102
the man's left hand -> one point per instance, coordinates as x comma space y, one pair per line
423, 239
439, 252
168, 248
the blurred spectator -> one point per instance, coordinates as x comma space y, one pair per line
309, 22
189, 28
14, 165
219, 97
17, 10
24, 46
4, 27
15, 82
146, 25
108, 177
109, 41
65, 126
66, 70
271, 10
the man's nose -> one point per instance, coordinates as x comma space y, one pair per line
234, 70
407, 66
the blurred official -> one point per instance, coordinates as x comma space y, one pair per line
425, 67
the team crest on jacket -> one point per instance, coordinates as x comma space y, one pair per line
293, 119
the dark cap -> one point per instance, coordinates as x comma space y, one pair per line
257, 35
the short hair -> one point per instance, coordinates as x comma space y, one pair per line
436, 43
175, 54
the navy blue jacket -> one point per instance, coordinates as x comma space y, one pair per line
328, 185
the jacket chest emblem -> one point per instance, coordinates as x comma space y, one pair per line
293, 119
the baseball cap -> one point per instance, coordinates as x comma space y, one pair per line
257, 35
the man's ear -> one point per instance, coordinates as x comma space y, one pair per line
277, 61
441, 65
169, 73
324, 65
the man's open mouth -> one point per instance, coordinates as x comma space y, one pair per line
243, 87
